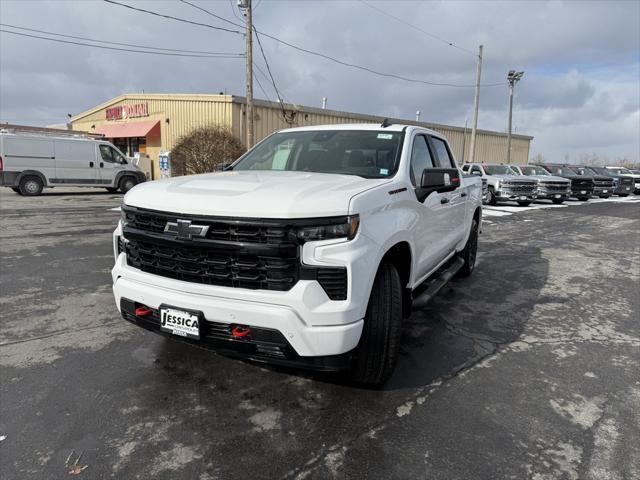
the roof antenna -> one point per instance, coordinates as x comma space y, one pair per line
385, 123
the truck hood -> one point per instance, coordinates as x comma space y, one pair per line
257, 194
550, 178
515, 178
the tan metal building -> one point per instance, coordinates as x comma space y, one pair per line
152, 123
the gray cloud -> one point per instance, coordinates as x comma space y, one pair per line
581, 61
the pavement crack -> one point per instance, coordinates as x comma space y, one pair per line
60, 332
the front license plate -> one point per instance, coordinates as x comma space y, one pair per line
605, 191
523, 198
558, 196
583, 192
179, 322
628, 188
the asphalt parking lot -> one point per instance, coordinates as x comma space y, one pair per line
528, 369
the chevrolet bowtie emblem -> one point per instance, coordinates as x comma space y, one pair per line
184, 230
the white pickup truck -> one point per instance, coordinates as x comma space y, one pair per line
307, 251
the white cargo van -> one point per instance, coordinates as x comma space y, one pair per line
31, 161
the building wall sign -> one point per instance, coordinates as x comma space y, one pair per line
128, 111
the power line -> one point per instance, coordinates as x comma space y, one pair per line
310, 52
210, 13
266, 96
174, 18
429, 34
104, 47
233, 10
119, 43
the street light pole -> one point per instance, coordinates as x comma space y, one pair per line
513, 77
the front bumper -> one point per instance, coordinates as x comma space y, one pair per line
312, 324
505, 195
603, 191
624, 190
551, 195
263, 345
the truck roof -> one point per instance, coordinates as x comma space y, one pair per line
394, 127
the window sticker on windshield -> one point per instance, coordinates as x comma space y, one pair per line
385, 136
384, 171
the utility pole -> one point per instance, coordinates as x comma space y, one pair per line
513, 77
246, 6
476, 103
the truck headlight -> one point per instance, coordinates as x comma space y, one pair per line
341, 227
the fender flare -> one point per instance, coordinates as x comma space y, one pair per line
29, 173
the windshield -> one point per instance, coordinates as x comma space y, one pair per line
620, 171
497, 170
562, 171
534, 171
584, 171
368, 154
602, 171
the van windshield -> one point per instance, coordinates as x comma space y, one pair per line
368, 154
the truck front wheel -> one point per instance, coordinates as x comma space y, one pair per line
491, 197
377, 351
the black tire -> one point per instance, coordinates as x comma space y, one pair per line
470, 251
557, 201
623, 194
17, 190
583, 199
491, 197
127, 183
523, 204
111, 189
377, 351
604, 196
31, 186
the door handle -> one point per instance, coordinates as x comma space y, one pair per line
463, 194
101, 165
91, 164
444, 200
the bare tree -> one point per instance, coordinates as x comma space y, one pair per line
538, 158
202, 150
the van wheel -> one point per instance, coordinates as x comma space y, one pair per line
16, 189
583, 199
557, 201
126, 184
31, 186
470, 251
524, 204
377, 351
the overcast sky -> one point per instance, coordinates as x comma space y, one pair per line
580, 94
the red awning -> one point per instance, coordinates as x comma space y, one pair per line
131, 129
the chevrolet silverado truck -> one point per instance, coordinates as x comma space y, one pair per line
625, 172
550, 187
307, 251
623, 185
581, 187
603, 185
504, 184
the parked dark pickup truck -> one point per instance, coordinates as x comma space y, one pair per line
603, 185
581, 187
622, 184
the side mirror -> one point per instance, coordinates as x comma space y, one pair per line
437, 180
